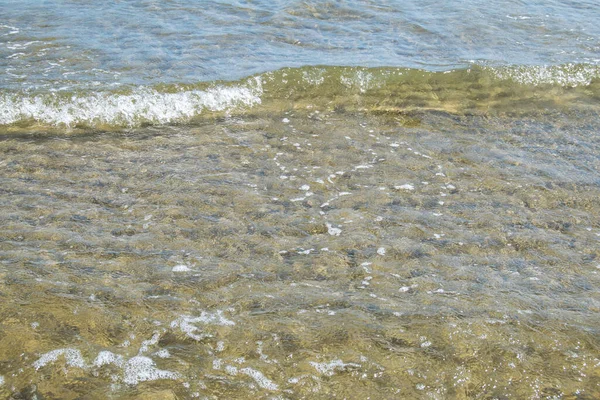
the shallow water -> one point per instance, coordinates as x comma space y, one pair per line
315, 253
299, 200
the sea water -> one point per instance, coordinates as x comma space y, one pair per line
299, 200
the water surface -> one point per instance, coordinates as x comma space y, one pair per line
299, 200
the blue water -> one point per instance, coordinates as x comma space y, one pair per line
58, 45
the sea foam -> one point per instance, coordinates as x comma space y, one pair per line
142, 105
72, 358
141, 369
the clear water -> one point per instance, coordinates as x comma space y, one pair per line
72, 44
299, 200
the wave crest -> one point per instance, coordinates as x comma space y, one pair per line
142, 106
479, 89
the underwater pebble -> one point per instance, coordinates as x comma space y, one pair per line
333, 231
406, 186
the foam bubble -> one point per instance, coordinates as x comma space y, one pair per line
142, 105
231, 370
569, 75
141, 369
150, 342
181, 268
186, 323
329, 368
107, 357
163, 353
1, 380
260, 379
72, 357
359, 79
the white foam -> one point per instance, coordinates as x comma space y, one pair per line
231, 370
142, 105
329, 368
72, 357
260, 379
381, 251
565, 75
141, 369
181, 268
1, 380
107, 357
314, 77
186, 323
150, 342
163, 353
359, 79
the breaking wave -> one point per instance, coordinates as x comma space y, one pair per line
478, 88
